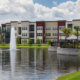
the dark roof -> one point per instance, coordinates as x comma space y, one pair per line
25, 21
76, 19
13, 21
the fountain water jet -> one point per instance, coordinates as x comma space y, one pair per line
12, 52
12, 39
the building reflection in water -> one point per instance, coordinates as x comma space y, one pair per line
36, 64
13, 63
67, 63
5, 60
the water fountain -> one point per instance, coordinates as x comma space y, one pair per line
12, 39
12, 52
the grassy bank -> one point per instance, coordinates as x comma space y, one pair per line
26, 46
71, 76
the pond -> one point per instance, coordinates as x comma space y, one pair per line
36, 64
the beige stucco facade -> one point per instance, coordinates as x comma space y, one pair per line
51, 24
19, 31
75, 23
45, 30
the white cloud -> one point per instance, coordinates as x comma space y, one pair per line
54, 2
28, 10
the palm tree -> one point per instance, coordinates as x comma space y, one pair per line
77, 29
17, 40
66, 31
75, 33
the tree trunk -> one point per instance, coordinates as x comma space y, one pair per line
77, 39
65, 41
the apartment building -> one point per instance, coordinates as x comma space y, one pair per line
44, 30
51, 30
61, 24
24, 30
73, 23
40, 31
28, 31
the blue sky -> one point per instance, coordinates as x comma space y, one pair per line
50, 3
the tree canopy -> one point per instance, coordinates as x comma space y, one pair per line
66, 31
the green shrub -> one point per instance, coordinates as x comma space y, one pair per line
30, 42
17, 40
49, 42
25, 41
38, 41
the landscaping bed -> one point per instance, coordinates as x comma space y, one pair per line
26, 45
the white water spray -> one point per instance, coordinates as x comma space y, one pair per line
13, 52
12, 39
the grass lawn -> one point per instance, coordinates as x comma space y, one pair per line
71, 76
26, 46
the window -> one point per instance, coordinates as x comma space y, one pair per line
60, 27
31, 35
55, 34
48, 28
8, 29
61, 34
69, 26
15, 28
39, 34
48, 34
31, 28
55, 28
24, 34
3, 29
39, 28
24, 28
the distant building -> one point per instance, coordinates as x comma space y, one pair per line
44, 30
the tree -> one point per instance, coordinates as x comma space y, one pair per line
25, 41
30, 42
2, 38
0, 30
75, 33
77, 29
17, 40
38, 41
49, 41
66, 31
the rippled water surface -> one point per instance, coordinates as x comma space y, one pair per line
35, 64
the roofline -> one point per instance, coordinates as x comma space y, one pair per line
25, 21
76, 20
62, 20
14, 21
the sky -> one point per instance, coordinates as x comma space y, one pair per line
51, 3
37, 10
